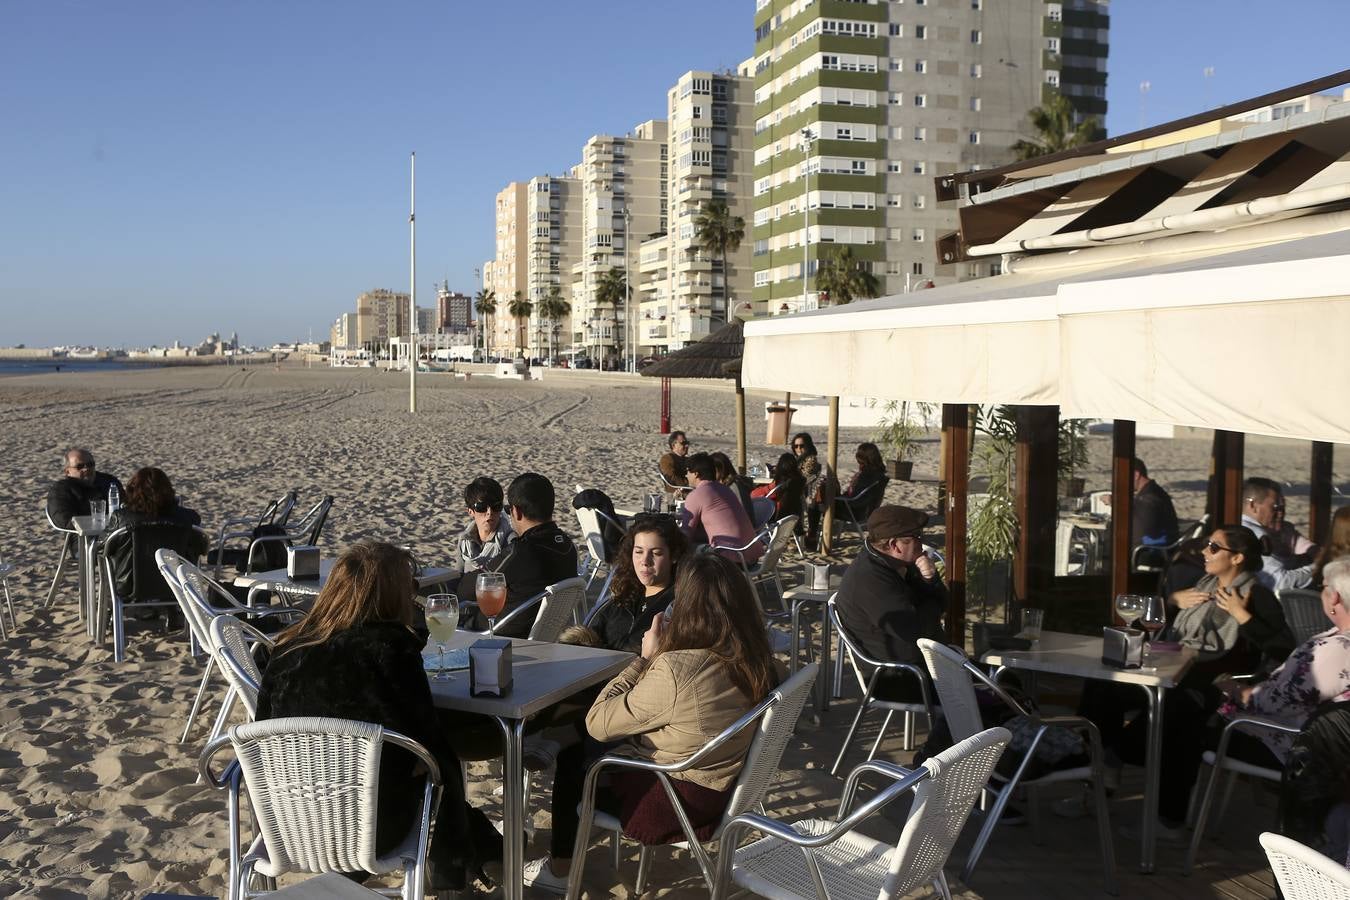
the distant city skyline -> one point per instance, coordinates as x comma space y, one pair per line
173, 170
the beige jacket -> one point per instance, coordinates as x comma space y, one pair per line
669, 709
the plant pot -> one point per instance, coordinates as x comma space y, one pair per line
901, 469
1073, 487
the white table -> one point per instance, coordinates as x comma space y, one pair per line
89, 538
278, 580
542, 674
1080, 656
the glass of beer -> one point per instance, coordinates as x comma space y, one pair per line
491, 594
442, 619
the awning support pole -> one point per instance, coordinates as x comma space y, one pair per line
1224, 503
1036, 499
665, 406
1122, 509
956, 471
832, 452
1319, 493
740, 426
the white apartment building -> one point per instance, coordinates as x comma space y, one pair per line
624, 188
508, 270
553, 246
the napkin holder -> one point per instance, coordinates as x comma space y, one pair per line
302, 563
817, 575
1122, 648
490, 668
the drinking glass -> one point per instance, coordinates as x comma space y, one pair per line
491, 594
1032, 619
1152, 619
98, 513
442, 619
1129, 607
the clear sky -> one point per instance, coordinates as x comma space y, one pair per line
170, 168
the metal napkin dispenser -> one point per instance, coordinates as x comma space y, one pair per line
490, 668
302, 562
1122, 647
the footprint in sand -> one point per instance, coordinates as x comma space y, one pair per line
157, 784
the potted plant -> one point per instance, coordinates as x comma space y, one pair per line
895, 438
992, 528
1073, 454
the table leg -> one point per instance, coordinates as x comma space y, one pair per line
795, 646
513, 809
1152, 771
88, 586
823, 676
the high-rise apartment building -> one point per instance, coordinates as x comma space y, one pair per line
343, 333
553, 243
623, 189
508, 270
452, 310
683, 291
859, 105
380, 315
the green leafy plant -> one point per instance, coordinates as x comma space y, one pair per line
1073, 447
992, 527
896, 432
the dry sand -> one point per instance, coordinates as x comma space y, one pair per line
98, 798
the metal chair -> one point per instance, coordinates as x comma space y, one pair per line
236, 643
954, 679
5, 570
556, 604
1303, 611
858, 659
824, 859
1220, 762
592, 523
1304, 874
775, 537
1155, 559
69, 538
313, 785
775, 717
258, 558
671, 486
861, 505
145, 589
276, 512
762, 511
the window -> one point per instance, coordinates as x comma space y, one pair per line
973, 137
920, 66
895, 99
859, 167
921, 32
975, 37
897, 30
1053, 12
918, 235
977, 4
920, 99
1052, 44
697, 112
894, 200
893, 167
920, 134
917, 268
920, 168
1052, 77
974, 104
897, 65
919, 201
976, 70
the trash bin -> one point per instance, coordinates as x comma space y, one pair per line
780, 423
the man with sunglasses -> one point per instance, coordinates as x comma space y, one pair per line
1263, 513
489, 532
70, 495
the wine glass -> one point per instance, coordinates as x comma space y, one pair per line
442, 619
1153, 618
491, 594
1129, 607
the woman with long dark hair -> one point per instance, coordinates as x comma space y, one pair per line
643, 583
150, 497
787, 490
726, 474
701, 668
356, 656
821, 484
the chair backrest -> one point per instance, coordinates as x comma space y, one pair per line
589, 520
234, 641
762, 510
955, 690
1303, 873
1303, 612
132, 563
555, 610
197, 615
942, 803
196, 592
278, 512
604, 598
313, 786
779, 535
314, 520
52, 522
762, 760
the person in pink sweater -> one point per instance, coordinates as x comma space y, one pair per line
713, 514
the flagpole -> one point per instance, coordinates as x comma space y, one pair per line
412, 292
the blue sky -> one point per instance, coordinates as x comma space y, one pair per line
175, 167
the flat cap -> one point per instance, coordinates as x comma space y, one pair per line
894, 522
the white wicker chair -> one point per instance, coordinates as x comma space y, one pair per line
1304, 874
556, 603
313, 786
848, 646
1220, 763
5, 570
952, 678
235, 643
776, 716
825, 859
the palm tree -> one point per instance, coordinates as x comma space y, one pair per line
485, 304
1055, 130
553, 307
519, 309
845, 279
611, 290
719, 232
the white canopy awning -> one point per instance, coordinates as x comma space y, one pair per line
1251, 341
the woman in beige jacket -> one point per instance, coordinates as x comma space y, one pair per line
703, 666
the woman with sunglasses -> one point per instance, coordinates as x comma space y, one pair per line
486, 536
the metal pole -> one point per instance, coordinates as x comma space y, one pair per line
627, 293
832, 455
807, 137
412, 292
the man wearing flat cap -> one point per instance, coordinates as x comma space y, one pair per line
892, 595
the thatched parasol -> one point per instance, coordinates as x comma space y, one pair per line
716, 356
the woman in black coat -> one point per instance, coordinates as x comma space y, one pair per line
356, 656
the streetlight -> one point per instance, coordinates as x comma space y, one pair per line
808, 138
627, 292
473, 317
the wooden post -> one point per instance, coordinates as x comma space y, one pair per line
740, 426
1319, 493
1224, 503
1122, 509
787, 421
1036, 499
956, 470
665, 406
832, 454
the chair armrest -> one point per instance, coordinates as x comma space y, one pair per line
416, 749
1251, 721
204, 764
528, 604
999, 691
744, 722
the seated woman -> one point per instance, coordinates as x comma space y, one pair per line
643, 583
1336, 547
150, 498
356, 656
726, 474
821, 484
871, 471
787, 490
701, 669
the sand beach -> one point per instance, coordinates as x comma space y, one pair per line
98, 797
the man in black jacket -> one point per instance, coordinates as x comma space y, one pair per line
1154, 519
892, 595
540, 555
71, 495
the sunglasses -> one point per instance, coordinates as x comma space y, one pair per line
483, 506
798, 446
1215, 548
83, 465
